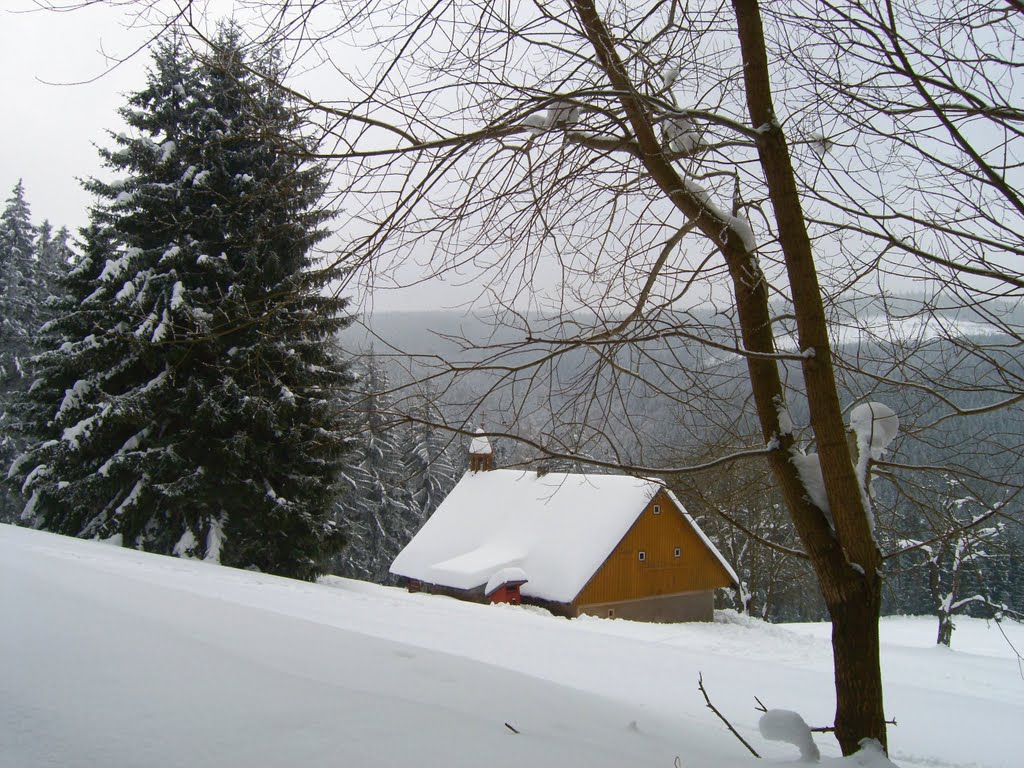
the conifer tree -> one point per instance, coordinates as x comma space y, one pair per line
53, 259
68, 372
187, 403
17, 275
17, 323
376, 512
428, 464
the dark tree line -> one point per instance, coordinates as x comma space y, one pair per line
399, 473
32, 259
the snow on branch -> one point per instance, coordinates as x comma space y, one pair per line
875, 426
560, 114
787, 726
808, 467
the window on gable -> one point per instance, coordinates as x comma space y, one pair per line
677, 552
657, 509
642, 556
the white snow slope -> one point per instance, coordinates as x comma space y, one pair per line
116, 658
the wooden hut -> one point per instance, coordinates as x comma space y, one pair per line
603, 545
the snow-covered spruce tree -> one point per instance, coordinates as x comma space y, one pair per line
18, 318
76, 352
17, 271
17, 284
376, 512
53, 259
187, 404
428, 465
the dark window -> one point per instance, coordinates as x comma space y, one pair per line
657, 509
611, 613
677, 552
643, 555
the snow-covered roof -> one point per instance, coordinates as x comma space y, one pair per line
517, 519
480, 446
505, 576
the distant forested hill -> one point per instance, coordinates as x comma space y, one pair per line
658, 399
668, 401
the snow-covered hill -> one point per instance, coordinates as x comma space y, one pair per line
117, 658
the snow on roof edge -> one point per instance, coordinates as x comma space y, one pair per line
509, 575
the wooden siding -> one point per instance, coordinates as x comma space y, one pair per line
625, 577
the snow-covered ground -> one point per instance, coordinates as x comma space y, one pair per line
117, 658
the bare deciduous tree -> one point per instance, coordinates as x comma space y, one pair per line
962, 549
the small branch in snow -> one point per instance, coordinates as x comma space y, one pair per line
713, 708
511, 728
1020, 659
832, 728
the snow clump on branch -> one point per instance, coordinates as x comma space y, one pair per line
787, 726
669, 76
561, 115
876, 426
681, 134
808, 466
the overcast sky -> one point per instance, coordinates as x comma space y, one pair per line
61, 91
49, 131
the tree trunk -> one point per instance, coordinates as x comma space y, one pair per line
945, 636
850, 577
856, 660
944, 598
846, 560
